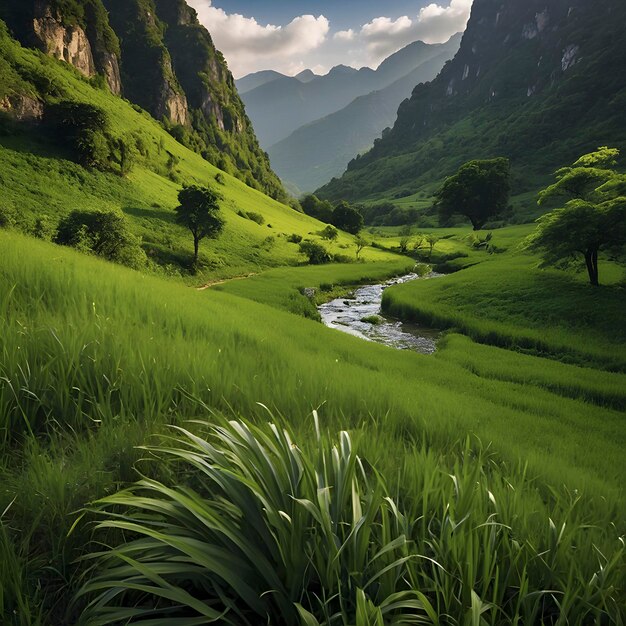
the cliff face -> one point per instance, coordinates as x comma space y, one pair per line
539, 81
78, 34
156, 54
147, 75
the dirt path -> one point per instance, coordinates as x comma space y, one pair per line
225, 280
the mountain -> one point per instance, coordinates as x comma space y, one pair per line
252, 81
316, 152
306, 76
539, 82
285, 104
156, 54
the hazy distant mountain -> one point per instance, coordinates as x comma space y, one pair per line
315, 153
279, 107
252, 81
306, 76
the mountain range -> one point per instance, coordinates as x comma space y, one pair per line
280, 105
539, 82
321, 150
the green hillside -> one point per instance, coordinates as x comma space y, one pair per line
38, 177
538, 84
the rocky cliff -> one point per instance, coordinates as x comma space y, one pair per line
539, 81
78, 33
156, 54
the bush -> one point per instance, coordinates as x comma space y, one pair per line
103, 233
330, 233
294, 238
342, 258
8, 216
44, 228
256, 217
316, 253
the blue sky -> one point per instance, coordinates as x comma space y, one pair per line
291, 35
343, 14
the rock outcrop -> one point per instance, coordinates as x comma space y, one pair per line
22, 108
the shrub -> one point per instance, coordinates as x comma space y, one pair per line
219, 178
256, 217
103, 233
329, 233
8, 216
294, 238
316, 253
342, 258
261, 532
44, 228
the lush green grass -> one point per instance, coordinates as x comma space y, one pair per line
507, 301
96, 357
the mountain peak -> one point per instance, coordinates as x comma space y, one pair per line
306, 76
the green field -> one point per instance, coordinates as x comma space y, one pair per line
95, 358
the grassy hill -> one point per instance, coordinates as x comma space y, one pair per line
39, 178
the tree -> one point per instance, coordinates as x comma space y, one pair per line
199, 211
479, 190
594, 219
347, 218
319, 209
360, 243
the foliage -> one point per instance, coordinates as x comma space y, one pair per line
315, 252
294, 238
330, 233
360, 243
255, 217
478, 191
347, 218
199, 211
269, 532
103, 233
593, 220
8, 216
319, 209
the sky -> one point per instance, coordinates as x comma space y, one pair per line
292, 35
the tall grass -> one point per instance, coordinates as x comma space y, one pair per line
257, 529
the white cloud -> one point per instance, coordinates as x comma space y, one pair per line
435, 23
249, 46
344, 35
305, 43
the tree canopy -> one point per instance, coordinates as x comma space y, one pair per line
199, 211
594, 219
347, 218
479, 190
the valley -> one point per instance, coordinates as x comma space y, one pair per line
221, 403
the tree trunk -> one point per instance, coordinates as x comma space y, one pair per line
196, 246
591, 260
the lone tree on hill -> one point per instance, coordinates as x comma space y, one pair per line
199, 211
347, 218
479, 190
594, 218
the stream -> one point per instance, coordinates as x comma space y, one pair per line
347, 314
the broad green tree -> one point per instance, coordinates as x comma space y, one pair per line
479, 191
347, 218
594, 218
199, 211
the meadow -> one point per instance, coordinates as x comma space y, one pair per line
96, 359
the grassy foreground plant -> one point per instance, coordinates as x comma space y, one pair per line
261, 531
